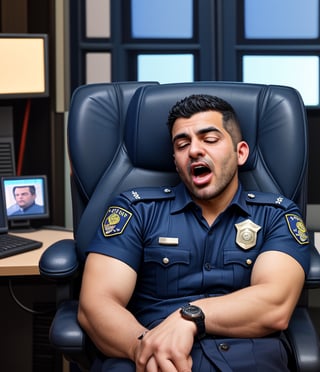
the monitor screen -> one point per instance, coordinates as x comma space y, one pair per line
23, 65
26, 199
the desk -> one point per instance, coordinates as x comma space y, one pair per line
18, 325
27, 263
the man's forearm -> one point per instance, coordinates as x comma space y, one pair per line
262, 308
236, 315
114, 330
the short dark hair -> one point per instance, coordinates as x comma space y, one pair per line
32, 189
196, 103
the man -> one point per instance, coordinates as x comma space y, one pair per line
25, 197
203, 276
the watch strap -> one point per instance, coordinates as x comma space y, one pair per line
201, 328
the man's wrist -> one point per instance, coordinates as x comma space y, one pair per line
140, 337
196, 315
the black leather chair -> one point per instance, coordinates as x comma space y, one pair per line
118, 139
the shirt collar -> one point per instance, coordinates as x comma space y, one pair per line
183, 199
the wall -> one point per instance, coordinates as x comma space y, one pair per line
44, 152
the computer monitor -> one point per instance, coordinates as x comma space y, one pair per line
23, 66
26, 199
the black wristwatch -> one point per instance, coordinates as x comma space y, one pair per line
194, 313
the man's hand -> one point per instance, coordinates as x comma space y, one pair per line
167, 347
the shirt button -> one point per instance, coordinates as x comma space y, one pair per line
224, 347
165, 260
249, 262
207, 266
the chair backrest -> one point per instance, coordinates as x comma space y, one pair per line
118, 139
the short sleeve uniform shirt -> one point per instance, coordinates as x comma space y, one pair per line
161, 234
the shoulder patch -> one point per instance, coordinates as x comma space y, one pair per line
115, 221
297, 228
267, 198
149, 193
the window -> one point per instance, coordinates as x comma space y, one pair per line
171, 19
277, 43
301, 72
158, 40
161, 36
166, 68
281, 19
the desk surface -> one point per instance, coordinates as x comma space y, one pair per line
27, 263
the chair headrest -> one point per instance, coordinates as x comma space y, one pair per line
261, 109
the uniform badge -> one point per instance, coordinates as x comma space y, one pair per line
297, 228
247, 234
115, 221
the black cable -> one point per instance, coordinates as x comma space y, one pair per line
25, 308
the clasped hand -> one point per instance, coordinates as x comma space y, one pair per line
167, 347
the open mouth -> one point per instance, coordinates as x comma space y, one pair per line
201, 174
200, 171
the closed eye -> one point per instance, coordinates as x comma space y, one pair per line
182, 144
211, 139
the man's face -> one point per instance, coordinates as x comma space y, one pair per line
205, 156
23, 197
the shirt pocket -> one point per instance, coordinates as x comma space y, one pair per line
238, 267
164, 268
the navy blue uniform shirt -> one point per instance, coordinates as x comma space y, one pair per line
161, 234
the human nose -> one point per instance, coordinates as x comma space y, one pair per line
196, 149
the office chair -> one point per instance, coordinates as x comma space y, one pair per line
118, 139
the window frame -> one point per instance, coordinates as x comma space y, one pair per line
124, 49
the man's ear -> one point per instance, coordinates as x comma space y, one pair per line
243, 152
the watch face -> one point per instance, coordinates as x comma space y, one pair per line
192, 311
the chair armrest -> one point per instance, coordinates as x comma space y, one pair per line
60, 260
313, 278
67, 336
304, 341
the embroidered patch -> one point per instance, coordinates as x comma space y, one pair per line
297, 228
115, 221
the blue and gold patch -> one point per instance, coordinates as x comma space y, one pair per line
297, 228
115, 221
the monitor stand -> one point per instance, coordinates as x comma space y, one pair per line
20, 226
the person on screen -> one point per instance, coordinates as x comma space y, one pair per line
25, 197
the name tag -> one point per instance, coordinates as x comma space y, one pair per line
168, 241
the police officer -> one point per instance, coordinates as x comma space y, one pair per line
203, 276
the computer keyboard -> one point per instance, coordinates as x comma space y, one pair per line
11, 245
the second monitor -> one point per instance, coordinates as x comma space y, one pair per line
26, 199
